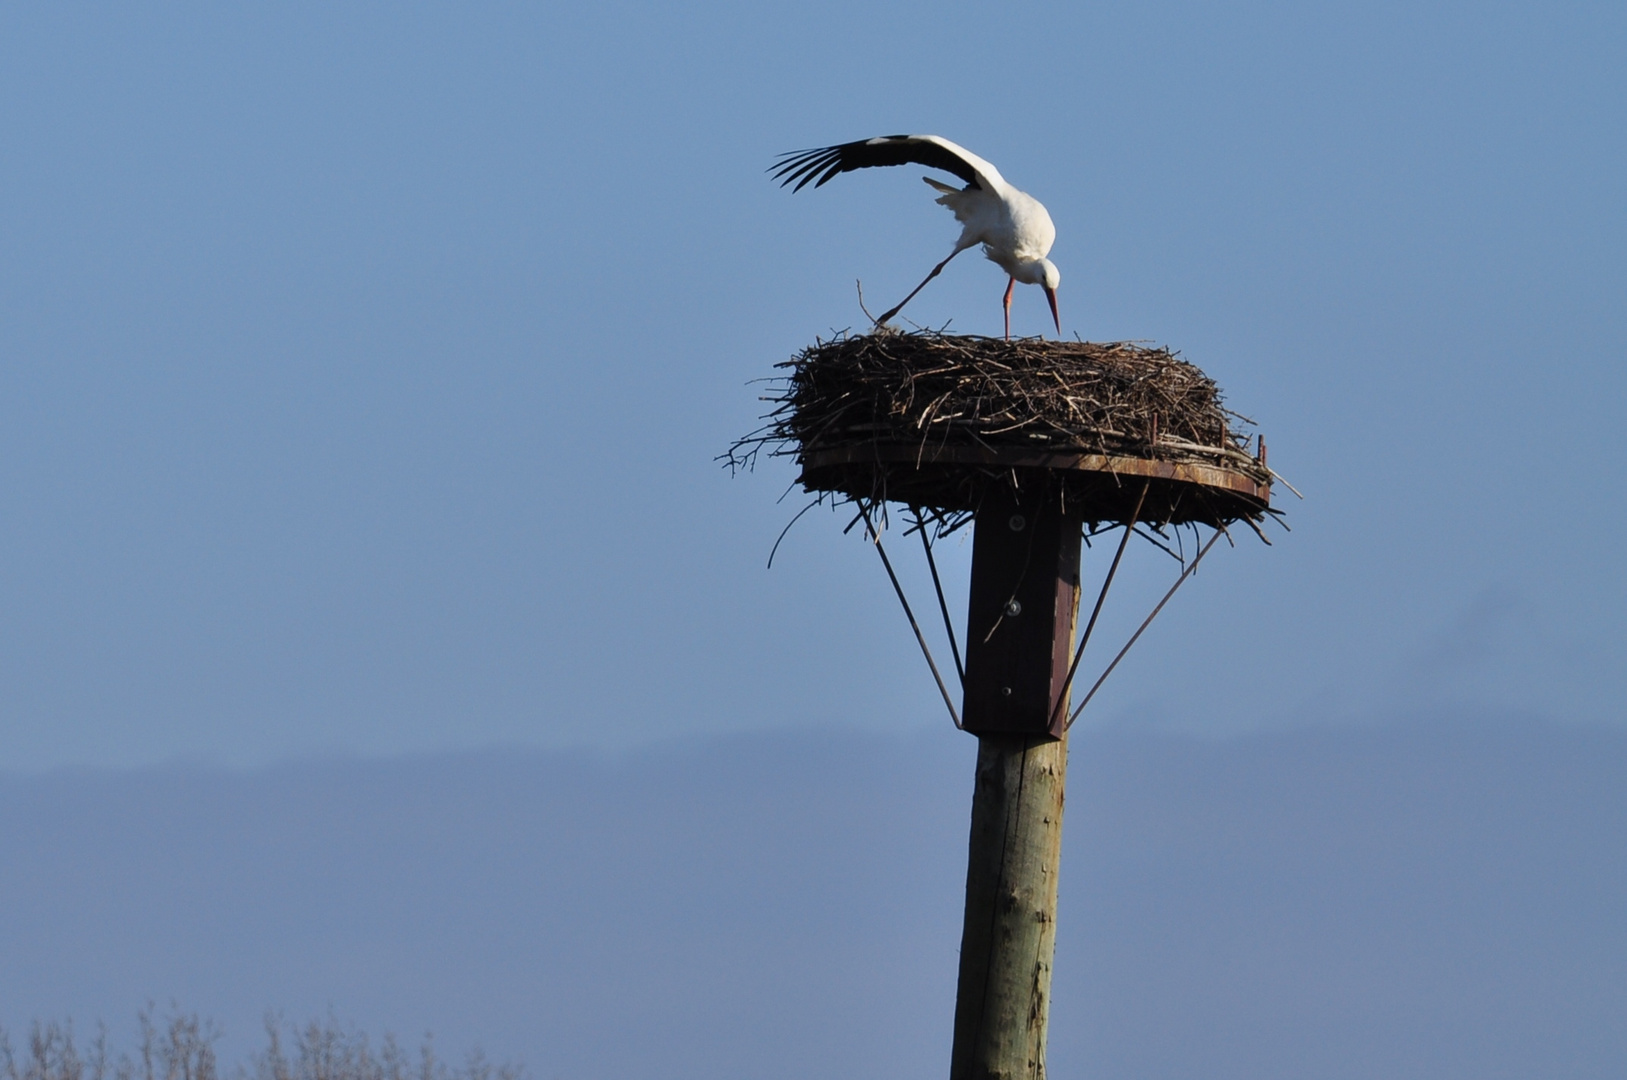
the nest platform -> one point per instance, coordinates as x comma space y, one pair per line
934, 420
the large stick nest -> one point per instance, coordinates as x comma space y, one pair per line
931, 419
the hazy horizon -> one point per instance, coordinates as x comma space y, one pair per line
1409, 900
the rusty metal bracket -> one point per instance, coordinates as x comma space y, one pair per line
1144, 624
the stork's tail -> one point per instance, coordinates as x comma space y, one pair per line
956, 199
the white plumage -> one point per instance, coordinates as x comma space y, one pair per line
1014, 228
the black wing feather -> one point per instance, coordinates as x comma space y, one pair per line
803, 166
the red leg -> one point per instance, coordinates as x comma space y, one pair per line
1012, 284
936, 270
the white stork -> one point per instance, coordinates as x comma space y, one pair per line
1014, 229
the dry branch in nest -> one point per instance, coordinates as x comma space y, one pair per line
931, 419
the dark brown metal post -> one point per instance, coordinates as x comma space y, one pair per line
1019, 624
1023, 605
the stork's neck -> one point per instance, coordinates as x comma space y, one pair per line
1027, 271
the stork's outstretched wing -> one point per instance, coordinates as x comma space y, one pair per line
818, 166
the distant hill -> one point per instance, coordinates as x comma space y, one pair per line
1426, 901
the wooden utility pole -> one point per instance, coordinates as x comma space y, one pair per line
1020, 624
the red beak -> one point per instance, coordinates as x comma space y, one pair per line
1050, 294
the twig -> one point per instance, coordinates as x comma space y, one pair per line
793, 521
860, 285
1285, 483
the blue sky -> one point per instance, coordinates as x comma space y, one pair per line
365, 365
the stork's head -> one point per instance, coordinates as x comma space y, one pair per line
1042, 272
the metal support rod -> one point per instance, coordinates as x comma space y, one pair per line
943, 606
1144, 624
1101, 598
920, 638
